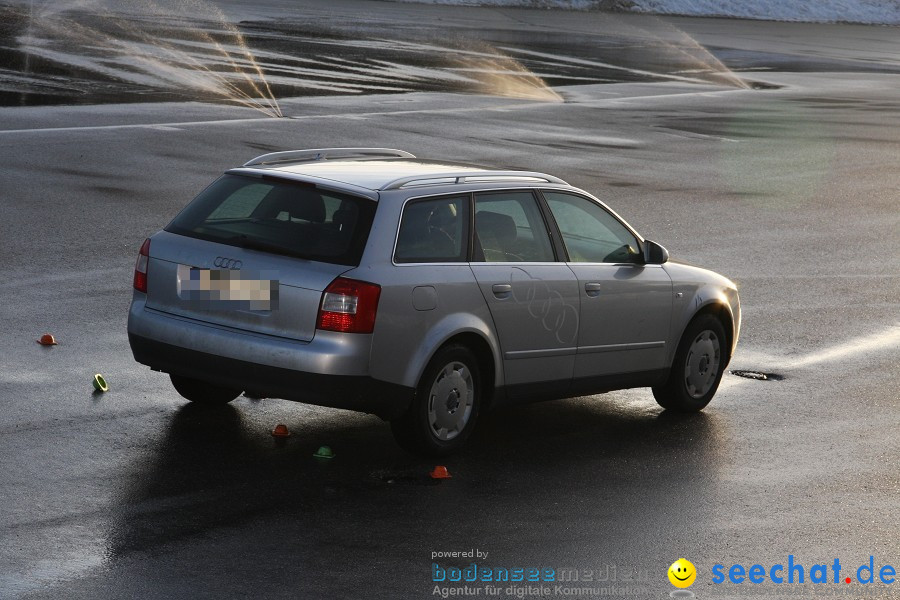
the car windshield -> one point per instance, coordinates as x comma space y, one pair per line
279, 216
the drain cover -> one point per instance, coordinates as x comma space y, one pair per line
757, 375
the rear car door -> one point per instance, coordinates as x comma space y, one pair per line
533, 299
625, 305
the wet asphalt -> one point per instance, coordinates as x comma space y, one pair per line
790, 191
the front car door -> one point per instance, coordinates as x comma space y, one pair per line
625, 305
533, 299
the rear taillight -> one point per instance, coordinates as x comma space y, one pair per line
349, 306
140, 267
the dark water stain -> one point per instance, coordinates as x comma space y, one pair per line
573, 145
110, 190
869, 140
834, 100
580, 145
740, 60
762, 85
181, 157
623, 184
731, 126
264, 147
73, 172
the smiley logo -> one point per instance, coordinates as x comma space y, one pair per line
682, 573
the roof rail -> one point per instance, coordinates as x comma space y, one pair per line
274, 158
472, 177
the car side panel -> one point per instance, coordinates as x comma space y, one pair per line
625, 321
535, 313
421, 305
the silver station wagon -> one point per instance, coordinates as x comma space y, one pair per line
421, 291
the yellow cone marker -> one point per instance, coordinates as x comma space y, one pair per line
100, 384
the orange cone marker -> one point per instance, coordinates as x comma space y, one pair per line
440, 472
280, 430
47, 340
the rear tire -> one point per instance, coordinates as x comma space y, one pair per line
201, 392
445, 408
698, 367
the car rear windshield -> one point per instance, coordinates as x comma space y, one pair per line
279, 216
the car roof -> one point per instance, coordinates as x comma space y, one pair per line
383, 168
376, 174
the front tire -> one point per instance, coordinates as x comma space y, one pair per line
443, 413
201, 392
697, 369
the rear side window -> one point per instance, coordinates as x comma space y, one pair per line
279, 216
509, 228
434, 230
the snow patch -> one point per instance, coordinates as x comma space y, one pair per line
879, 12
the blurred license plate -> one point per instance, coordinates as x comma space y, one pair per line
230, 289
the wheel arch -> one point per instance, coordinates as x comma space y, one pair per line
483, 354
474, 335
720, 309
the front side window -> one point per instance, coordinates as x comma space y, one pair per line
433, 230
509, 228
279, 216
590, 233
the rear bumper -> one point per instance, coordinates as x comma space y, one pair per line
265, 367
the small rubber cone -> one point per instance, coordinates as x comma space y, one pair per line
280, 430
47, 340
324, 452
99, 383
440, 472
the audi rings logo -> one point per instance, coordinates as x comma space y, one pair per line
227, 263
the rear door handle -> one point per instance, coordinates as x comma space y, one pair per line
501, 290
592, 288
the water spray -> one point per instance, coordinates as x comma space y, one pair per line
154, 58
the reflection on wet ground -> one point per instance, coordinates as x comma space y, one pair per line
213, 468
208, 483
80, 56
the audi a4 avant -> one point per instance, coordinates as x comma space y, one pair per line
421, 291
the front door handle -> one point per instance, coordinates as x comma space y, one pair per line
501, 290
592, 288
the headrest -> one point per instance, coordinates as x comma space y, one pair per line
499, 226
345, 218
310, 207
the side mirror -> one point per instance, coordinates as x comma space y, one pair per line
654, 254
